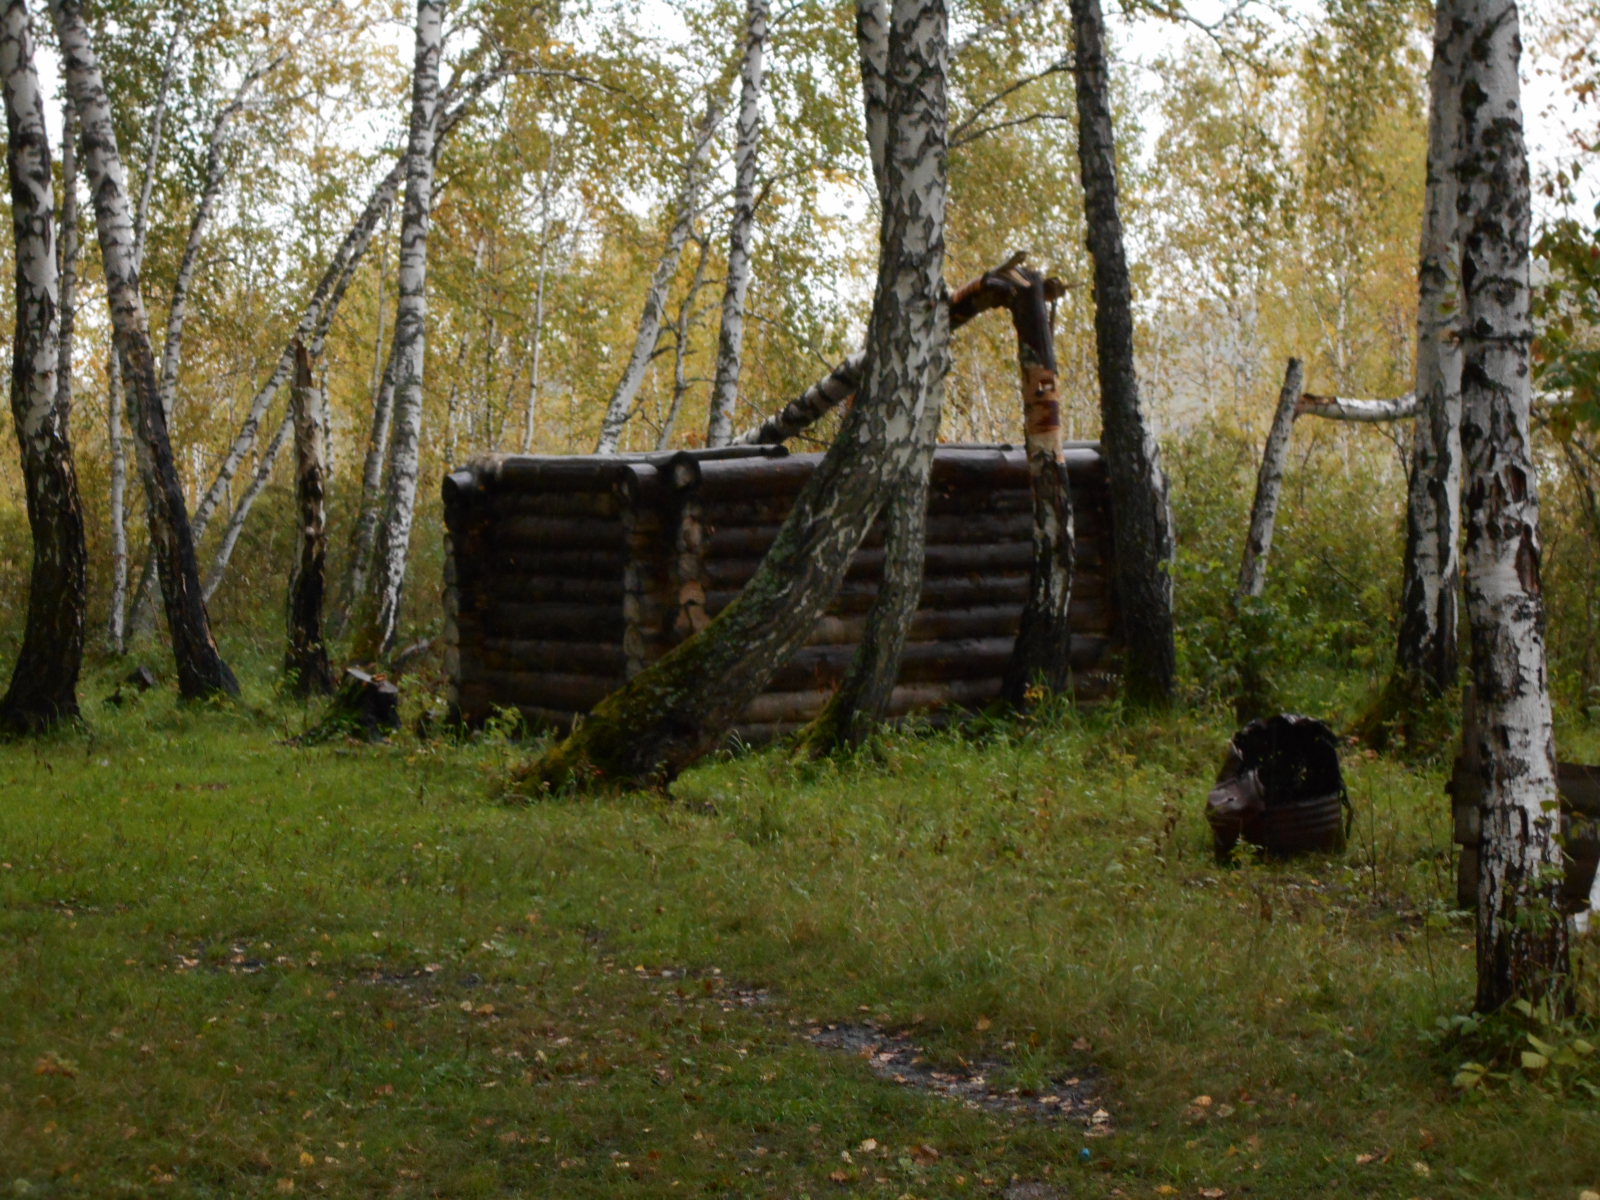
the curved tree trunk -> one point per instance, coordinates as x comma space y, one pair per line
730, 342
201, 670
44, 682
1142, 533
1522, 936
1269, 488
862, 698
380, 611
675, 710
620, 406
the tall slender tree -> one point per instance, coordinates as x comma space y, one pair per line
675, 710
379, 611
201, 669
43, 690
1522, 935
1142, 538
741, 229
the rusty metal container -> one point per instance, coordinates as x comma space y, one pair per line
1281, 790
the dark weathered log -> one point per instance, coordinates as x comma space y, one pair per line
556, 619
596, 562
942, 661
563, 654
548, 689
553, 504
306, 659
366, 706
569, 532
512, 585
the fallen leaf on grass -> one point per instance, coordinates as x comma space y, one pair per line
1213, 1193
53, 1064
868, 1145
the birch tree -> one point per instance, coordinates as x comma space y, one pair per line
1426, 649
201, 670
675, 710
380, 608
1142, 537
1522, 936
44, 681
684, 211
730, 340
306, 659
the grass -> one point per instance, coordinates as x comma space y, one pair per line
233, 966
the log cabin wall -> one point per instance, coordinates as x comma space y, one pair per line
567, 575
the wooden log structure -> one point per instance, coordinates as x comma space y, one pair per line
565, 576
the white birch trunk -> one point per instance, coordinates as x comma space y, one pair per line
1426, 648
680, 349
1269, 486
685, 209
730, 341
375, 631
44, 680
1522, 937
201, 670
117, 620
1341, 408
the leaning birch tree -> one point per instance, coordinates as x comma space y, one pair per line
1142, 538
1522, 936
44, 682
685, 209
680, 707
747, 143
379, 607
201, 670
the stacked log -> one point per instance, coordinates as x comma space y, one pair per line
566, 576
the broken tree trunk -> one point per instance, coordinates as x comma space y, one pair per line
44, 681
201, 670
306, 660
1042, 654
1269, 487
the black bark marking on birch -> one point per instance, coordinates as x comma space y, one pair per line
306, 658
43, 689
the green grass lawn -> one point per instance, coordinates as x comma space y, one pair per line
233, 966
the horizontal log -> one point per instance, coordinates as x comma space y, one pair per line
548, 689
599, 658
940, 561
856, 595
554, 620
554, 473
515, 561
572, 532
736, 539
942, 661
1087, 616
552, 504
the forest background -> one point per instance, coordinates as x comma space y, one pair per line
1272, 181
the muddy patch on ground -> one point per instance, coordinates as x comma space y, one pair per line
896, 1056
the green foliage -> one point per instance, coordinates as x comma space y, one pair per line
1523, 1047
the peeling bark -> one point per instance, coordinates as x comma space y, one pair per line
1426, 648
1142, 535
678, 708
1522, 936
44, 680
201, 670
730, 340
1340, 408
